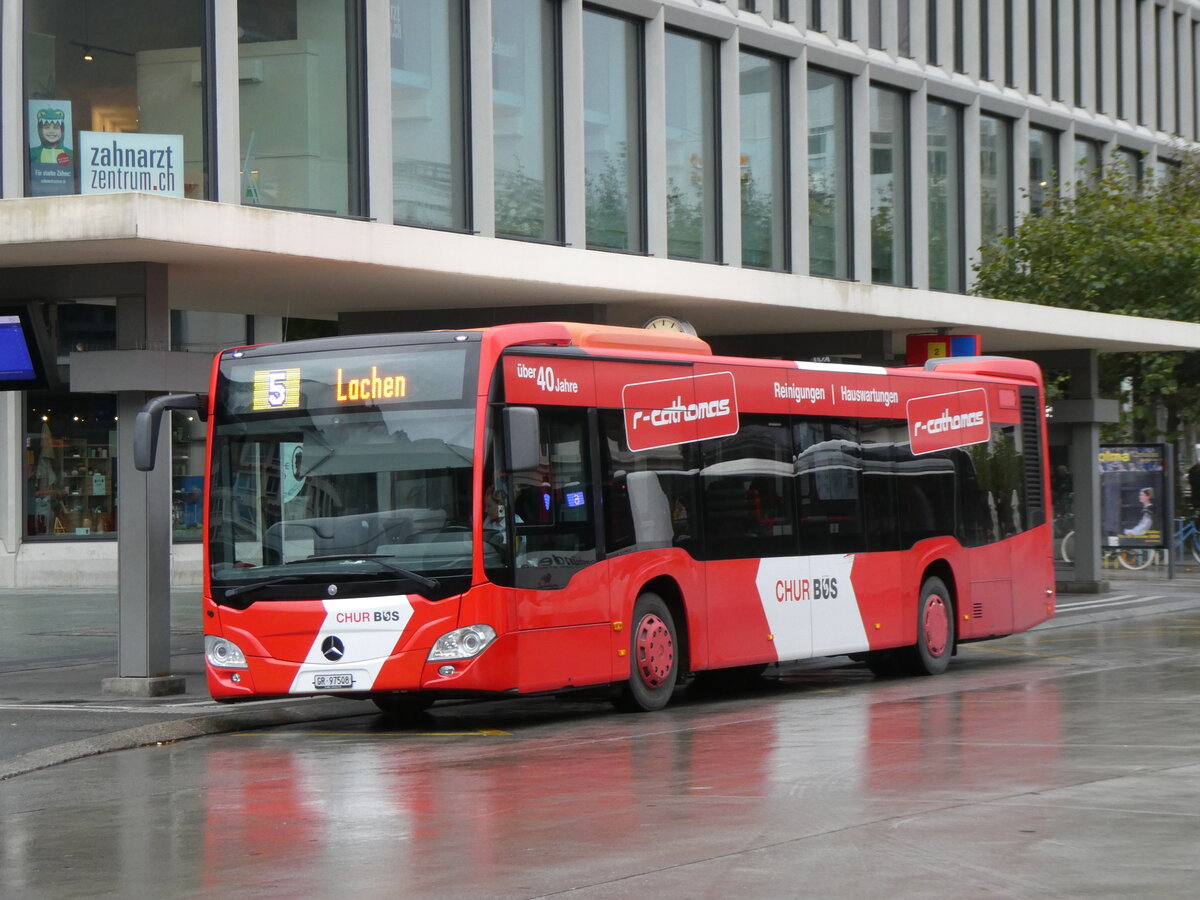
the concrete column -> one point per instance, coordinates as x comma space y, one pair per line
798, 157
483, 157
729, 205
12, 117
227, 169
573, 138
378, 91
656, 135
144, 530
11, 408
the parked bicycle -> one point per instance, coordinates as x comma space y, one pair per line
1127, 557
1185, 542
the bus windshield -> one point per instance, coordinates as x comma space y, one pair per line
314, 497
342, 464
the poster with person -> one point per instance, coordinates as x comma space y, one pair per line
1132, 489
51, 156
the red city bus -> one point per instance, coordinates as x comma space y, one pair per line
544, 507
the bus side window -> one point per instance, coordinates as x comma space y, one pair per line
828, 469
649, 496
748, 486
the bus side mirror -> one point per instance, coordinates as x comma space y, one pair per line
522, 442
148, 421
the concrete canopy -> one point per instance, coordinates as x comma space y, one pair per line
228, 258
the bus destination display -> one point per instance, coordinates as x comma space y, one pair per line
348, 380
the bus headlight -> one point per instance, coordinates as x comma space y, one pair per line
223, 654
462, 643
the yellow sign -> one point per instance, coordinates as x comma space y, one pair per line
276, 389
372, 387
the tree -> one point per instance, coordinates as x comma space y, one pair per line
1115, 246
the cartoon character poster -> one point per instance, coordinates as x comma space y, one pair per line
51, 155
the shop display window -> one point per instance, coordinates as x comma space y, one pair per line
70, 464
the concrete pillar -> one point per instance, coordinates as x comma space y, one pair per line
144, 532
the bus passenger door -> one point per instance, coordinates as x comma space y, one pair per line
562, 594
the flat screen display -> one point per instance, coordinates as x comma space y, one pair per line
22, 364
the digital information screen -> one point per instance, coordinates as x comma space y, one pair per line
20, 362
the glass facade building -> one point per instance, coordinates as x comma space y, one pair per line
484, 145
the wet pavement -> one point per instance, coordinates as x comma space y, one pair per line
1064, 761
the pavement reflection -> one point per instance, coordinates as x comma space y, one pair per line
1062, 762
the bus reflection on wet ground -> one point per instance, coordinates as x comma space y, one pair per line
1060, 761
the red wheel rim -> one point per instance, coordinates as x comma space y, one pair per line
937, 625
654, 652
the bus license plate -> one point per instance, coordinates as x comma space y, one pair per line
328, 682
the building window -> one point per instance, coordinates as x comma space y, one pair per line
944, 172
931, 32
783, 12
995, 177
301, 137
71, 464
1055, 41
985, 39
1131, 162
875, 24
613, 158
1077, 50
136, 77
1031, 47
829, 201
429, 113
1138, 58
813, 14
693, 182
1009, 36
889, 186
846, 19
1043, 156
764, 161
1120, 58
525, 116
71, 439
1087, 160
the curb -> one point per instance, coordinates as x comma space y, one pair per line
170, 731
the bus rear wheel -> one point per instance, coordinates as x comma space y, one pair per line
935, 631
654, 657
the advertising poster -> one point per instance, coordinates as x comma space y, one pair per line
1132, 490
112, 162
51, 157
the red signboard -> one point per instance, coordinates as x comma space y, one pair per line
942, 421
679, 410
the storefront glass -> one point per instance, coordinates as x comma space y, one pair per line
70, 446
116, 96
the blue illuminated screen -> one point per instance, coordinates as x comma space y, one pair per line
575, 498
16, 360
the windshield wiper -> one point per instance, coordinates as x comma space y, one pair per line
232, 592
382, 558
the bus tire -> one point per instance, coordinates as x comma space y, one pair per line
654, 657
935, 630
884, 663
402, 708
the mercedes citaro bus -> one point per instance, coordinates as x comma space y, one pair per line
544, 507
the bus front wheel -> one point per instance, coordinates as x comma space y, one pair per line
654, 657
935, 630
